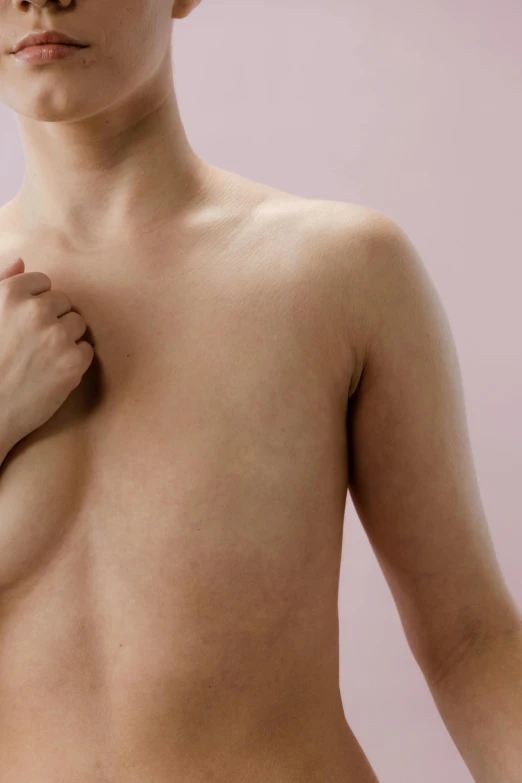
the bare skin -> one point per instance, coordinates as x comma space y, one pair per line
171, 539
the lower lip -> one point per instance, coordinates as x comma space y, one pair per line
46, 53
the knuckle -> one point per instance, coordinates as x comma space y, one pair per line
56, 338
34, 312
72, 363
80, 321
41, 279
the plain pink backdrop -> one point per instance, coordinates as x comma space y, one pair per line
413, 109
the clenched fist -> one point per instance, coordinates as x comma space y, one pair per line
42, 358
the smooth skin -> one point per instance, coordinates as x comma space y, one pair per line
170, 539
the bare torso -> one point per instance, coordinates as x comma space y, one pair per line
170, 541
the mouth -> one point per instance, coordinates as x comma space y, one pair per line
46, 38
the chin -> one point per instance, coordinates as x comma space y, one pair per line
50, 110
45, 94
54, 103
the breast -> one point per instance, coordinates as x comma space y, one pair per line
182, 512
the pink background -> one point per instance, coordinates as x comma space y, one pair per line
412, 108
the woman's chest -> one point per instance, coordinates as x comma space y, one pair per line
208, 402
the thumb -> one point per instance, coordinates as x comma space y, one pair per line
16, 267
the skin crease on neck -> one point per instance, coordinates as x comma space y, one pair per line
106, 152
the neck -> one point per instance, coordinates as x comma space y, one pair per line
113, 174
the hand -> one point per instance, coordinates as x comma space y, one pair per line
42, 358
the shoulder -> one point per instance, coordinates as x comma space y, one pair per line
388, 301
351, 239
379, 288
355, 265
365, 253
355, 233
364, 266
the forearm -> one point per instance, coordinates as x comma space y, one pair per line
480, 702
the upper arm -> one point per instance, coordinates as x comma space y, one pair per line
412, 476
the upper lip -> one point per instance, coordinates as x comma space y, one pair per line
46, 37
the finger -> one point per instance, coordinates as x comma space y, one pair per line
29, 283
57, 301
14, 268
75, 325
